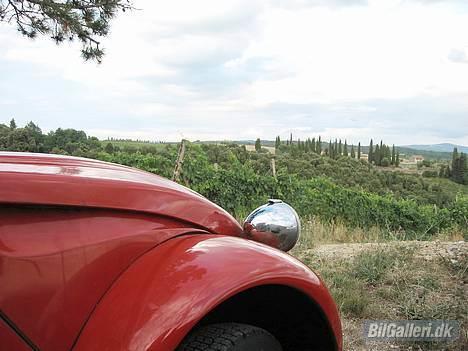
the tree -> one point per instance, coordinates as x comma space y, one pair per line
109, 148
359, 151
353, 154
82, 20
345, 148
12, 124
454, 156
397, 159
318, 146
376, 154
464, 169
393, 154
459, 167
307, 146
258, 145
277, 142
340, 148
371, 152
385, 162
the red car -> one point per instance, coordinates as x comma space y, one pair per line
98, 256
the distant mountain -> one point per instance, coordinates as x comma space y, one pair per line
444, 147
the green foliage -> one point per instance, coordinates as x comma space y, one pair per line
258, 145
430, 174
459, 167
372, 266
85, 20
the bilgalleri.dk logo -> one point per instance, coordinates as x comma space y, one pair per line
411, 330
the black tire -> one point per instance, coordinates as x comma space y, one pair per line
230, 337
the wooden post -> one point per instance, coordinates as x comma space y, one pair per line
179, 162
273, 167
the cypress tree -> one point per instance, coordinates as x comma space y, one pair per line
464, 168
335, 149
371, 152
290, 140
393, 154
459, 167
353, 154
397, 159
454, 158
330, 149
359, 151
258, 145
377, 155
313, 145
345, 148
340, 149
318, 147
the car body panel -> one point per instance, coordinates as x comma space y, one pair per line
161, 297
9, 340
98, 256
56, 264
41, 179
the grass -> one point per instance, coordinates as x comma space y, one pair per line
316, 232
396, 282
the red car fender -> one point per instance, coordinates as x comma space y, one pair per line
162, 296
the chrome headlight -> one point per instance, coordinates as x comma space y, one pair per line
276, 224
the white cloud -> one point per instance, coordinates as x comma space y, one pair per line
215, 69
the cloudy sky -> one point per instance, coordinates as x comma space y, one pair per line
242, 69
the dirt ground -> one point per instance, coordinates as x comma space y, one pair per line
426, 250
435, 271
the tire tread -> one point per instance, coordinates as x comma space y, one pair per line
219, 337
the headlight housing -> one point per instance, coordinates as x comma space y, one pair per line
275, 223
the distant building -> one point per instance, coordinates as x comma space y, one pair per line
364, 157
416, 158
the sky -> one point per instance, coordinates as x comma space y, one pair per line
395, 70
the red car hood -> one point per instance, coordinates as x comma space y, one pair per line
41, 179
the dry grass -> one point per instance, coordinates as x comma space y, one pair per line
392, 280
314, 232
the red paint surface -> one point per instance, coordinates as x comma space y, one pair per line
9, 340
59, 180
55, 264
70, 228
162, 296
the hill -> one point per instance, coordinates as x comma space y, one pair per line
444, 152
444, 147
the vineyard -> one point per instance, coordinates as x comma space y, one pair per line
333, 190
